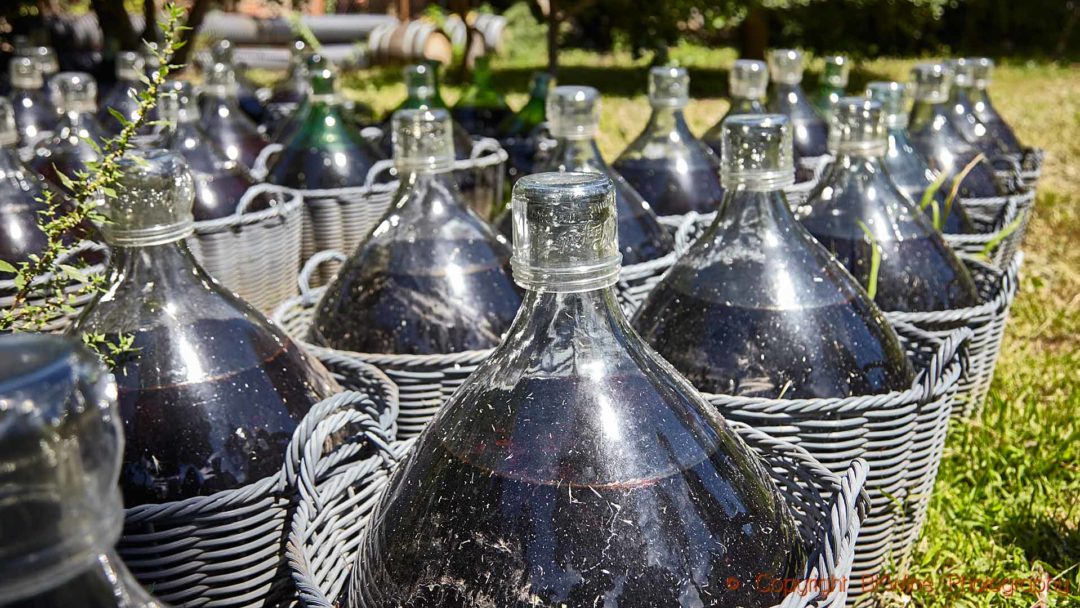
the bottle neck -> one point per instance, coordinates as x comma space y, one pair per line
667, 119
76, 124
746, 105
578, 154
590, 322
924, 112
849, 162
10, 164
756, 206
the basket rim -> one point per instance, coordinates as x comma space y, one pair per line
842, 500
244, 217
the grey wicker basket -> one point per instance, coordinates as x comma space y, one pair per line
339, 489
63, 320
997, 290
900, 435
987, 321
1031, 164
227, 549
1001, 222
424, 381
256, 254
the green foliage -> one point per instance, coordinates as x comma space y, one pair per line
43, 281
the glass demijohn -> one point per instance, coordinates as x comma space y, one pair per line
481, 108
220, 182
432, 277
907, 167
220, 114
211, 391
574, 467
984, 108
934, 135
962, 110
834, 81
291, 91
748, 82
35, 115
757, 307
324, 150
857, 208
246, 96
811, 132
60, 509
20, 198
519, 133
673, 170
422, 93
574, 119
74, 94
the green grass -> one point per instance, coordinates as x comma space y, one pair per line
1007, 500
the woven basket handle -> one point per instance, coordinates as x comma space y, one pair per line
371, 134
949, 349
253, 192
484, 146
377, 170
307, 294
261, 167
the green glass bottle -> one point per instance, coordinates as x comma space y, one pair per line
517, 132
325, 151
422, 93
481, 108
834, 81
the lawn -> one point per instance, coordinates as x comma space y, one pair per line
1007, 501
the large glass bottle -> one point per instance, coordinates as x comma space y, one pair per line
748, 82
856, 209
247, 97
962, 110
433, 277
984, 108
35, 116
210, 392
69, 150
811, 132
220, 182
574, 118
575, 467
908, 168
324, 151
221, 115
666, 164
20, 198
422, 93
757, 307
481, 108
60, 445
518, 132
291, 91
129, 72
834, 81
935, 137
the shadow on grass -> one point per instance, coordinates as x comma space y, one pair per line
1044, 540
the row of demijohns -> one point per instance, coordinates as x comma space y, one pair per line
575, 464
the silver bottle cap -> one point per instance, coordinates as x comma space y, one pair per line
931, 81
983, 71
73, 92
669, 87
893, 99
858, 127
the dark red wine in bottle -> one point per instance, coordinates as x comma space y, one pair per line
574, 467
756, 307
856, 210
210, 391
669, 167
433, 277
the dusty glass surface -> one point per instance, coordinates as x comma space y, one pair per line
574, 467
212, 391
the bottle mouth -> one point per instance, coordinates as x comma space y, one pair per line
565, 233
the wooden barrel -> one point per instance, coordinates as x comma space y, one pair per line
409, 42
491, 28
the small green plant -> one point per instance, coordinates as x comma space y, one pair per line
875, 261
928, 198
43, 284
